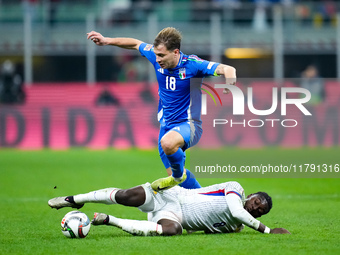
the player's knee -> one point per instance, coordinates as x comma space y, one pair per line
168, 146
131, 197
170, 228
123, 197
122, 193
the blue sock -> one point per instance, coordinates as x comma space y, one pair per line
190, 182
177, 163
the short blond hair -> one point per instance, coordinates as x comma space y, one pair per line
170, 37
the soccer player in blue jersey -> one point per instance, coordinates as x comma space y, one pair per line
179, 103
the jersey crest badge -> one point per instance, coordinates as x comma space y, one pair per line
182, 73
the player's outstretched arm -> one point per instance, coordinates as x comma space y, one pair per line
237, 210
126, 43
229, 73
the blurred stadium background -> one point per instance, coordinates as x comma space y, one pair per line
67, 92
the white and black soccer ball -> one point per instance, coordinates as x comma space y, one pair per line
75, 224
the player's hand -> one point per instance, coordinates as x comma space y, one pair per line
97, 38
226, 91
279, 231
229, 81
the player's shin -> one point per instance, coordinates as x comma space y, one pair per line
136, 227
176, 161
105, 196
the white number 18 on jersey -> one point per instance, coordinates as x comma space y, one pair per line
170, 84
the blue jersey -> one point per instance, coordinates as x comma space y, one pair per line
179, 100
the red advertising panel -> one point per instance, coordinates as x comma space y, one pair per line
60, 116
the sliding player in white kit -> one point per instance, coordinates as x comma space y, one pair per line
220, 208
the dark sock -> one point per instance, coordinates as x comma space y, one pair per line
70, 199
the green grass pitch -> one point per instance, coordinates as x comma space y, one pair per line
309, 208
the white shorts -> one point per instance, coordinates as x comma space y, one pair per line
161, 205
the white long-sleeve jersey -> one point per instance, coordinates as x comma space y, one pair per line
216, 209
